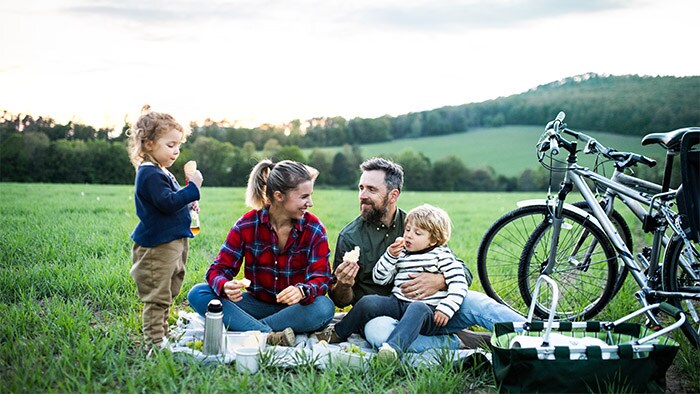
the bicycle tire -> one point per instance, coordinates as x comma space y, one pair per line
499, 254
585, 285
501, 246
676, 278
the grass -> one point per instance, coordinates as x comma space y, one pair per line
509, 149
71, 314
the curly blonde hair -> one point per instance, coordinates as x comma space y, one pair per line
150, 126
432, 219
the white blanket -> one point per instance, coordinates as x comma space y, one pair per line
190, 328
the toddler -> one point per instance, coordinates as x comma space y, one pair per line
421, 249
161, 237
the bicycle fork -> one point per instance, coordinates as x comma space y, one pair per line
557, 220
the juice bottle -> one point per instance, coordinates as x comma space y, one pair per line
191, 168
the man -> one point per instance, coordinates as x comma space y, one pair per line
379, 224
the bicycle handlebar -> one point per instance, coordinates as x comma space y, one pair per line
555, 140
553, 130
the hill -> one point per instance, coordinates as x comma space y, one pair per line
508, 150
628, 104
499, 133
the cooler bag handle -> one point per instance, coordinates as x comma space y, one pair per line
552, 308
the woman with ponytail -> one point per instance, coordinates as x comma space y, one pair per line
283, 250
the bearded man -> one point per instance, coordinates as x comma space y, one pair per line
379, 224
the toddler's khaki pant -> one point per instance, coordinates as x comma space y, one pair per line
158, 273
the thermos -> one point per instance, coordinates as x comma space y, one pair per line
213, 328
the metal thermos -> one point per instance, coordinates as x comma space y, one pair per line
213, 328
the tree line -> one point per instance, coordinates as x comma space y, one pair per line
31, 156
40, 150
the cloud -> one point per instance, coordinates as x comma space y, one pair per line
431, 16
408, 15
173, 11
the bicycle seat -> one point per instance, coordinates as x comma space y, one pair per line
670, 140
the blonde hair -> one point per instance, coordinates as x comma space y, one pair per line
150, 126
432, 219
267, 177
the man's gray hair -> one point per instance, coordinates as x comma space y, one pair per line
393, 172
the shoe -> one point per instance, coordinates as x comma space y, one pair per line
386, 353
282, 338
158, 347
327, 334
473, 339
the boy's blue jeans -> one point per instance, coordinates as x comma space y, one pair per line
414, 318
477, 309
252, 314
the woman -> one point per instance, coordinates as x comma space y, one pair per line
284, 251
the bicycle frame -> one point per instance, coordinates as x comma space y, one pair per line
635, 199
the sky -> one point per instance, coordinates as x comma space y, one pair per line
271, 61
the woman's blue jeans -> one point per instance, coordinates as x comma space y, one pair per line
252, 314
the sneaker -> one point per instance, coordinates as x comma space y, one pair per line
473, 339
158, 347
327, 334
386, 353
282, 338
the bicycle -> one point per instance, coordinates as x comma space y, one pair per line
499, 252
582, 255
502, 244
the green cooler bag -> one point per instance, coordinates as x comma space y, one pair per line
619, 366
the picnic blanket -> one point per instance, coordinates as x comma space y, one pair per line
190, 328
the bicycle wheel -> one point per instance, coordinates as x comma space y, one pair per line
681, 272
502, 244
499, 253
585, 268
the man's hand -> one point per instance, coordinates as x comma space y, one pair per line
290, 296
232, 290
440, 319
423, 285
341, 293
346, 272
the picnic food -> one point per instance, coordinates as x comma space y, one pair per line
196, 345
353, 255
190, 168
352, 348
245, 282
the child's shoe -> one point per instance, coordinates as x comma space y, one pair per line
386, 353
282, 338
158, 347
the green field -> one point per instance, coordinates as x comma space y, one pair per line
509, 150
71, 315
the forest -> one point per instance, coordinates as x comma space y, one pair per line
37, 149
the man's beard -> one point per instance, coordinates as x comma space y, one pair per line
375, 214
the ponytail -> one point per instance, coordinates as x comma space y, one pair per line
255, 196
